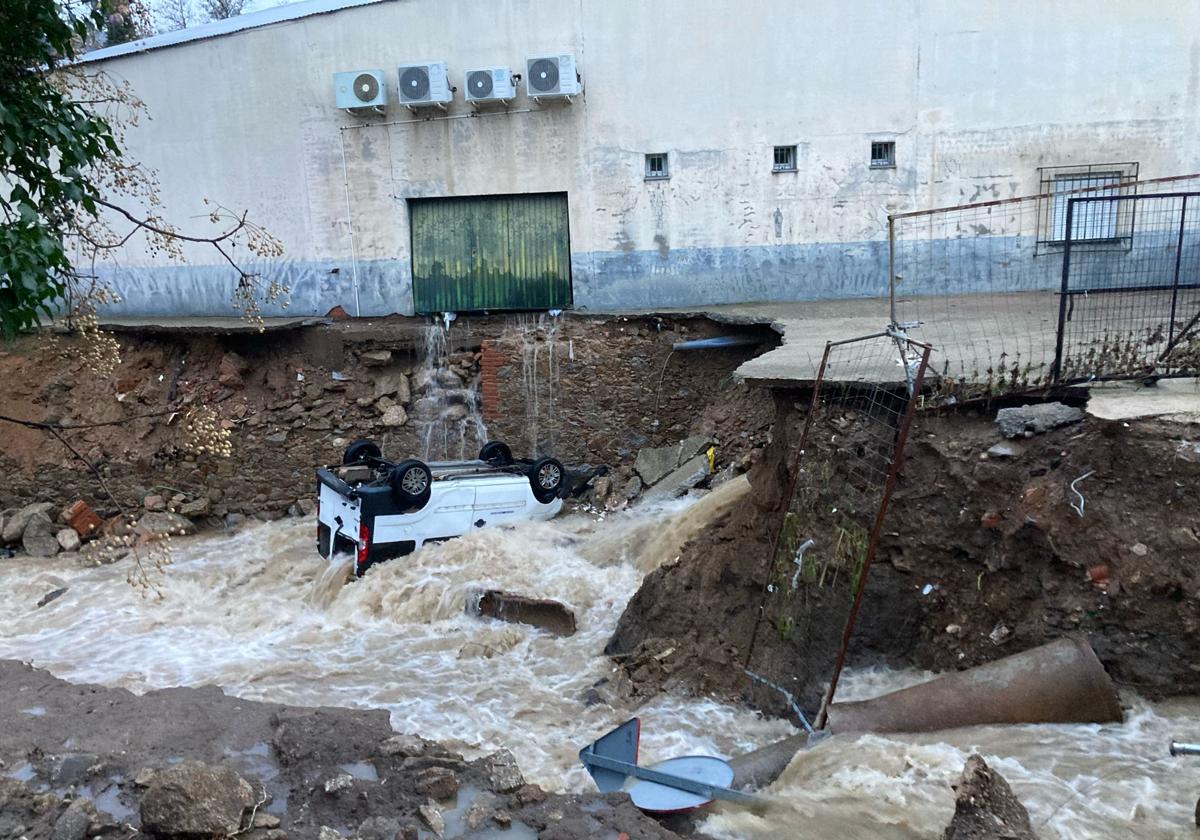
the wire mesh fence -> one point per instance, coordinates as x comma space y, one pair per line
1130, 297
981, 282
851, 448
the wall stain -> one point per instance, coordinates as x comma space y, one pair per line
664, 250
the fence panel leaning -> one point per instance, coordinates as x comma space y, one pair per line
850, 452
992, 285
1129, 303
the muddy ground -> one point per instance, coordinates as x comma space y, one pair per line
308, 768
981, 556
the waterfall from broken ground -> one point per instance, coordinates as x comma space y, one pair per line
259, 613
446, 406
542, 354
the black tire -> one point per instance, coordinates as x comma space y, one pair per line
360, 451
496, 453
411, 484
546, 477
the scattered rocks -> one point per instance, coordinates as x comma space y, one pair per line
394, 417
432, 817
379, 828
1003, 450
68, 539
327, 833
164, 524
196, 508
1029, 420
231, 369
985, 807
393, 384
504, 776
437, 783
40, 537
74, 822
403, 746
196, 799
277, 438
16, 520
339, 783
154, 503
375, 358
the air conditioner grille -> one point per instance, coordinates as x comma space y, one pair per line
414, 83
543, 75
366, 87
480, 83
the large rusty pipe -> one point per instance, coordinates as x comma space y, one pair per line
1059, 682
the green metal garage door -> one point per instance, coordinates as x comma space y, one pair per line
490, 252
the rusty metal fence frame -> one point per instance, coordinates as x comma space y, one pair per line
888, 404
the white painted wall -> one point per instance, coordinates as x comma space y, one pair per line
977, 95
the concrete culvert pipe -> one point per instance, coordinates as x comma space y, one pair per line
1059, 682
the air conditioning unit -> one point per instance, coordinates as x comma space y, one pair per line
489, 84
551, 76
425, 83
360, 90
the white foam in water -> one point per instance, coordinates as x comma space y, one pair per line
261, 614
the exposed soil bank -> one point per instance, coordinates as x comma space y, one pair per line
343, 769
585, 388
982, 556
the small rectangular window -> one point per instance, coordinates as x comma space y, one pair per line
656, 167
883, 154
1092, 219
785, 159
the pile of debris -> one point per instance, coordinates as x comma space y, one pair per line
661, 473
31, 530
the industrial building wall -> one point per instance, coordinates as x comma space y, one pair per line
975, 96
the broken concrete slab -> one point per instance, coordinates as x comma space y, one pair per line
1173, 400
678, 482
1029, 420
985, 807
655, 463
542, 613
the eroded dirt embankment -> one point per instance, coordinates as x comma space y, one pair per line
594, 389
308, 769
981, 556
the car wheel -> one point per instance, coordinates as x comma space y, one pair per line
546, 478
411, 484
360, 451
496, 453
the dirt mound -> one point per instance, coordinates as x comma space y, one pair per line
982, 554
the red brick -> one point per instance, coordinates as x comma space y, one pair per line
82, 518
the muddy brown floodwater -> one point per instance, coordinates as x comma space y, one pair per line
261, 615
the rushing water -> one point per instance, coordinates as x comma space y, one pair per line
447, 409
262, 615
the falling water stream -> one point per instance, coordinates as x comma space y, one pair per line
259, 613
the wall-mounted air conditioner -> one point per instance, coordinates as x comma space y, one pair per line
360, 91
425, 83
552, 76
489, 84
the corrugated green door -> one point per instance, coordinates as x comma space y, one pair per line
491, 252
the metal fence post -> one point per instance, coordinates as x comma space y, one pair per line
1175, 281
1056, 370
